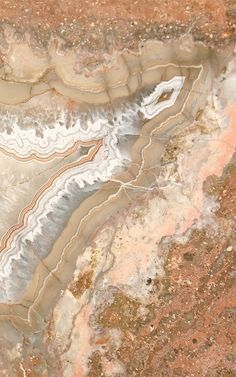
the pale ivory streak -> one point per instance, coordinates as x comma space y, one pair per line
41, 157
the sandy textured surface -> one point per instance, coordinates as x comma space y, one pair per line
105, 24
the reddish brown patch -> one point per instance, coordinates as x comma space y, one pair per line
56, 12
31, 367
101, 23
123, 313
193, 330
77, 287
95, 366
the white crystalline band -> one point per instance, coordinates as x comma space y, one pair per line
150, 105
47, 219
66, 129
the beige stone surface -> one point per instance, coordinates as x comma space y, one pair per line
117, 189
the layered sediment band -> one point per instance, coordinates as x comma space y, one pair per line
107, 129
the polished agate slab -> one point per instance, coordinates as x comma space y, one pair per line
77, 149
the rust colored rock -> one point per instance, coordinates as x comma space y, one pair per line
192, 329
107, 25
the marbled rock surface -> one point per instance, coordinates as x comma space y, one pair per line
118, 187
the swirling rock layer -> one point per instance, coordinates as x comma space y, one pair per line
106, 224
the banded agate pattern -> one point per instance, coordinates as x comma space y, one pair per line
75, 150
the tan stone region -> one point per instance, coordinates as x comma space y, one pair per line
117, 188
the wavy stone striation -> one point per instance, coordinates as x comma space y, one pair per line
78, 148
